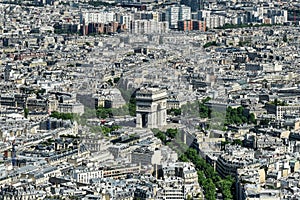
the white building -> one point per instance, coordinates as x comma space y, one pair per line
214, 21
85, 174
172, 16
126, 19
148, 26
176, 13
97, 17
184, 13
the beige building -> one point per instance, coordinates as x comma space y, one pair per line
145, 156
77, 108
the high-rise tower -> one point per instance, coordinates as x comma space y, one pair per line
194, 4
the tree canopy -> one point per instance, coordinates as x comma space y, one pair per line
238, 116
204, 110
208, 179
174, 111
169, 133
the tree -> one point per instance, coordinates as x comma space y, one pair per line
177, 112
210, 189
240, 110
189, 197
116, 80
110, 82
183, 158
285, 39
238, 116
201, 177
55, 114
276, 102
103, 113
172, 132
208, 178
132, 106
26, 112
207, 99
237, 142
252, 119
204, 111
115, 127
161, 136
64, 116
264, 122
101, 3
105, 130
174, 111
208, 44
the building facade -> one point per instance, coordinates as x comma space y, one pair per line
151, 108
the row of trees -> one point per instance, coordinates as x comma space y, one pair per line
64, 116
129, 108
233, 115
101, 3
218, 119
208, 44
208, 179
277, 102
